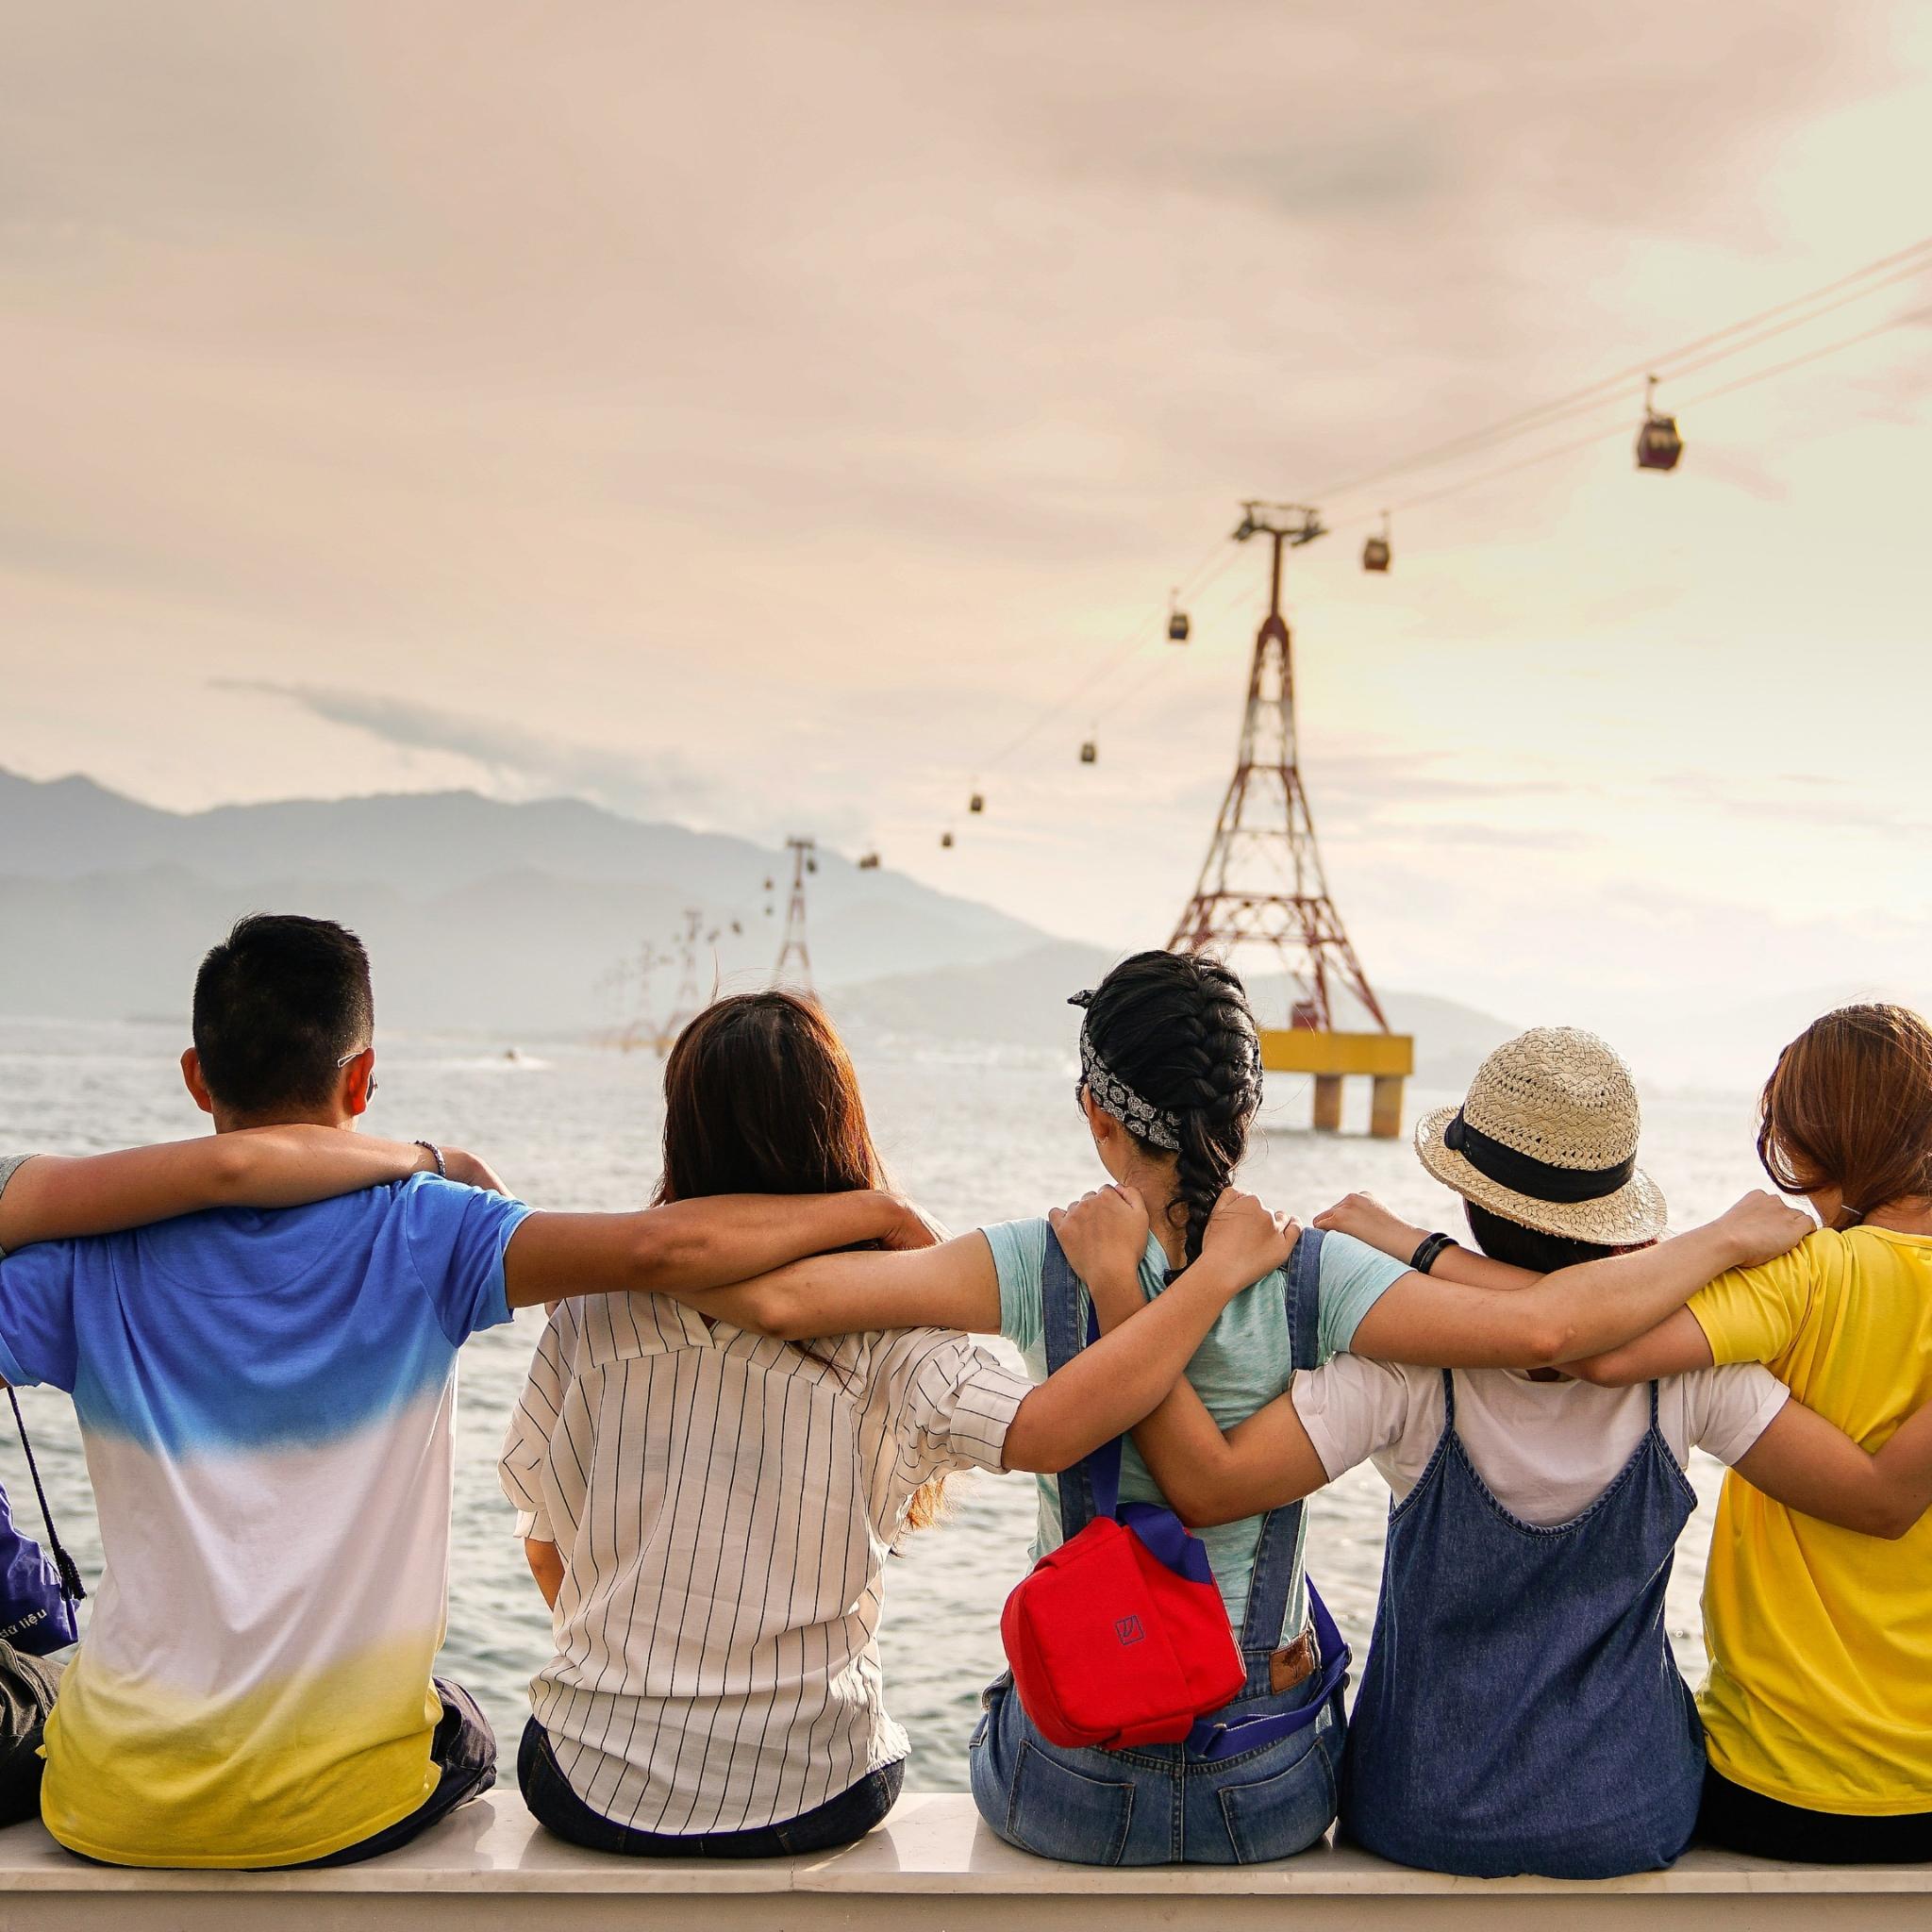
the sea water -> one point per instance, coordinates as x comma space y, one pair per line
976, 1137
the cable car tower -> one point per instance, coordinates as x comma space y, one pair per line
689, 999
792, 951
1262, 884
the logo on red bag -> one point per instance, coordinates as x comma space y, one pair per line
1129, 1630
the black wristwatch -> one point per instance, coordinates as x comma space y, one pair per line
1429, 1251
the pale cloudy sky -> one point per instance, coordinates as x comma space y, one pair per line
757, 414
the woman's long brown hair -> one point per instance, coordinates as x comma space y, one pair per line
761, 1097
1849, 1106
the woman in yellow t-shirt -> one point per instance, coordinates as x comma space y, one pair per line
1818, 1712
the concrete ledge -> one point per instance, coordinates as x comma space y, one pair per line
932, 1867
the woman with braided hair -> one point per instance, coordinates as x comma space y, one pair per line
1170, 1084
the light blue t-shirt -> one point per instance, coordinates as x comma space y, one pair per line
1244, 1364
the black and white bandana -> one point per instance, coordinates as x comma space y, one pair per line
1142, 1118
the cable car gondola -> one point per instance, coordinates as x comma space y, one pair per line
1090, 753
1177, 625
945, 841
1659, 445
868, 861
977, 803
1375, 552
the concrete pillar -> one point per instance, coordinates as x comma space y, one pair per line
1329, 1103
1385, 1108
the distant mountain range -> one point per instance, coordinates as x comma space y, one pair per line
508, 919
478, 914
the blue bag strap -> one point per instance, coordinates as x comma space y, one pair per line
1278, 1551
1215, 1742
1089, 1488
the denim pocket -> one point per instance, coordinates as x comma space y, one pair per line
1287, 1810
1062, 1813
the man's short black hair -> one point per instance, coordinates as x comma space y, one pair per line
277, 1004
1529, 1247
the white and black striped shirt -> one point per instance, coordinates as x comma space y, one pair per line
724, 1504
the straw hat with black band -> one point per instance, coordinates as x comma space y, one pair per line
1548, 1137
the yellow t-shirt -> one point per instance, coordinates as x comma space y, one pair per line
1820, 1692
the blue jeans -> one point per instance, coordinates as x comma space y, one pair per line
1155, 1805
839, 1820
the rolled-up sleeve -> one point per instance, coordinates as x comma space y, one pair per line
951, 1403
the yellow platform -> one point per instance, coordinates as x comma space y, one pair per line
1296, 1050
1385, 1058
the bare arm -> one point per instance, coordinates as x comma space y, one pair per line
1207, 1476
688, 1246
1674, 1347
1813, 1467
953, 1285
1115, 1381
1368, 1220
546, 1566
59, 1197
1574, 1312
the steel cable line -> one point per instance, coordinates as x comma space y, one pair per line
1194, 583
1622, 428
1560, 409
1765, 325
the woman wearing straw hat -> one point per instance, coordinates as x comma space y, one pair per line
1520, 1710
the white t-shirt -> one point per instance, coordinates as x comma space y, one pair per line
1547, 1450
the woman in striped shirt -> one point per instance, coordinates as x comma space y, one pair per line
707, 1511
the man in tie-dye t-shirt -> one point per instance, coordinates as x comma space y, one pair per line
266, 1401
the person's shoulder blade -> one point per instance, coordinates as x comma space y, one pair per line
1353, 1278
1750, 1314
457, 1236
1019, 1260
1727, 1408
1353, 1408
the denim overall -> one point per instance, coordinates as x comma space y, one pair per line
1171, 1803
1520, 1710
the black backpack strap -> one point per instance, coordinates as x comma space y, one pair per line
1092, 1487
1278, 1552
64, 1565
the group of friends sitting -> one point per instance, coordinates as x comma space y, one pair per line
748, 1393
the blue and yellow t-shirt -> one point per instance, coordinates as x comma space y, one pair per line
266, 1403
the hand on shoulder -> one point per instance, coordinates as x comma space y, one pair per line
1247, 1239
1103, 1233
1761, 1227
909, 1224
1367, 1220
471, 1170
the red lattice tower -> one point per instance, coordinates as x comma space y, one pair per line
1262, 882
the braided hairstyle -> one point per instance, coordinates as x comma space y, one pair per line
1176, 1027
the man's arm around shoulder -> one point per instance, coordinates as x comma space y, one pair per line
693, 1245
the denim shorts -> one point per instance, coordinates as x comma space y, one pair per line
1155, 1805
